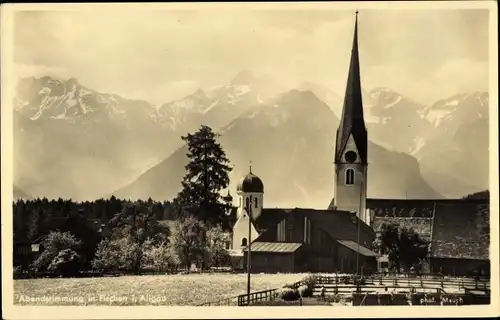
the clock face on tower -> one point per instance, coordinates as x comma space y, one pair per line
350, 156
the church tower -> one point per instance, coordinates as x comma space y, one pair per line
351, 147
250, 192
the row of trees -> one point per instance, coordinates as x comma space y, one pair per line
134, 238
137, 242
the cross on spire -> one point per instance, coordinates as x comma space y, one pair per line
250, 165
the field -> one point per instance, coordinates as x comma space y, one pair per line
191, 289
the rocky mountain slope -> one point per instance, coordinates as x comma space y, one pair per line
289, 140
74, 142
449, 138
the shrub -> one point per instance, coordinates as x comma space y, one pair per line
306, 291
310, 281
288, 294
66, 263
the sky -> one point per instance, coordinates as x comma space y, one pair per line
162, 55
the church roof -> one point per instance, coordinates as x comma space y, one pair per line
352, 121
275, 247
338, 224
250, 183
269, 218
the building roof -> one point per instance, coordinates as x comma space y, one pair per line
270, 218
338, 224
352, 121
274, 247
457, 228
250, 183
461, 230
354, 246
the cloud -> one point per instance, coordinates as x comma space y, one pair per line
462, 75
158, 53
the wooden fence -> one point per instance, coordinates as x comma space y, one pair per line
410, 281
265, 295
345, 285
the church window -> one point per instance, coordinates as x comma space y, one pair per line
240, 202
349, 176
256, 203
247, 203
244, 242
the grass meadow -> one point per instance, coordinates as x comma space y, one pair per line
179, 290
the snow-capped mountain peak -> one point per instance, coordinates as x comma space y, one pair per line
458, 106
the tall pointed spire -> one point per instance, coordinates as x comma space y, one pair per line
352, 122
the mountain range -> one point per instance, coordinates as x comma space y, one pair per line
73, 142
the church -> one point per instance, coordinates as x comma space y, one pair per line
339, 238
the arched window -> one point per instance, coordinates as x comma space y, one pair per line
247, 202
240, 202
244, 242
349, 176
256, 203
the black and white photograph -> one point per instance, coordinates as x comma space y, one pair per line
214, 155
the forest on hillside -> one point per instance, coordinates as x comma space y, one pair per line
485, 194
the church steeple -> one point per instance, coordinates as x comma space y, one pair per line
351, 146
352, 122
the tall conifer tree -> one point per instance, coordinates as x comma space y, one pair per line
207, 174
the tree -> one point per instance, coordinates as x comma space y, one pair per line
159, 256
485, 194
403, 246
207, 174
55, 243
187, 238
217, 253
34, 225
81, 228
118, 254
136, 224
109, 255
